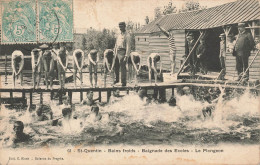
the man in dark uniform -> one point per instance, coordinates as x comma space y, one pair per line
122, 52
193, 57
244, 44
202, 57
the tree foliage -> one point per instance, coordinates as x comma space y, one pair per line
191, 6
169, 9
99, 40
157, 13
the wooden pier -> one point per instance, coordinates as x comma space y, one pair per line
161, 87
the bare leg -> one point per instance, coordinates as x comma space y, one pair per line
150, 75
155, 76
63, 79
39, 79
34, 81
21, 78
13, 79
90, 75
135, 75
105, 77
81, 78
95, 75
74, 77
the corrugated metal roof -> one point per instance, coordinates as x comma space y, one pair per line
230, 13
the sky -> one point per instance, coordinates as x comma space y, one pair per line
101, 14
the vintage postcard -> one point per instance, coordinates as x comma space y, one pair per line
129, 82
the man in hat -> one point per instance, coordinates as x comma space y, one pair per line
244, 44
202, 57
222, 55
122, 52
193, 57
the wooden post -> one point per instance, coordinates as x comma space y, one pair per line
155, 93
23, 94
99, 95
127, 91
172, 91
108, 95
162, 94
30, 98
11, 97
60, 96
52, 93
81, 96
70, 96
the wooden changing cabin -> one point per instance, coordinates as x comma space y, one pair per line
212, 21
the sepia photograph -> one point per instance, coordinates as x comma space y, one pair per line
129, 82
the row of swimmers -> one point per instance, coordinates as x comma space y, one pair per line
49, 60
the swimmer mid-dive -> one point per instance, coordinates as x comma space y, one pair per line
133, 62
37, 66
78, 58
17, 66
152, 61
109, 62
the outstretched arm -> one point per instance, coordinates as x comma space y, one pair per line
165, 32
13, 65
76, 60
90, 59
21, 64
33, 61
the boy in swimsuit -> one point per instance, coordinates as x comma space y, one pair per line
17, 66
48, 64
63, 61
93, 58
152, 65
78, 58
36, 55
109, 62
133, 61
89, 100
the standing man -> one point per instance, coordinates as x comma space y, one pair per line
244, 44
202, 56
222, 55
193, 57
171, 46
122, 52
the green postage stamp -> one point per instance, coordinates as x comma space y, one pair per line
55, 20
22, 23
18, 21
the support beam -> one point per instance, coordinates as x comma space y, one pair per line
70, 96
108, 95
31, 98
99, 96
81, 96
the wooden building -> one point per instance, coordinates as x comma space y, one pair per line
215, 20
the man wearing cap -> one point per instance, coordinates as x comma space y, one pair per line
222, 55
193, 57
244, 44
122, 52
202, 56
